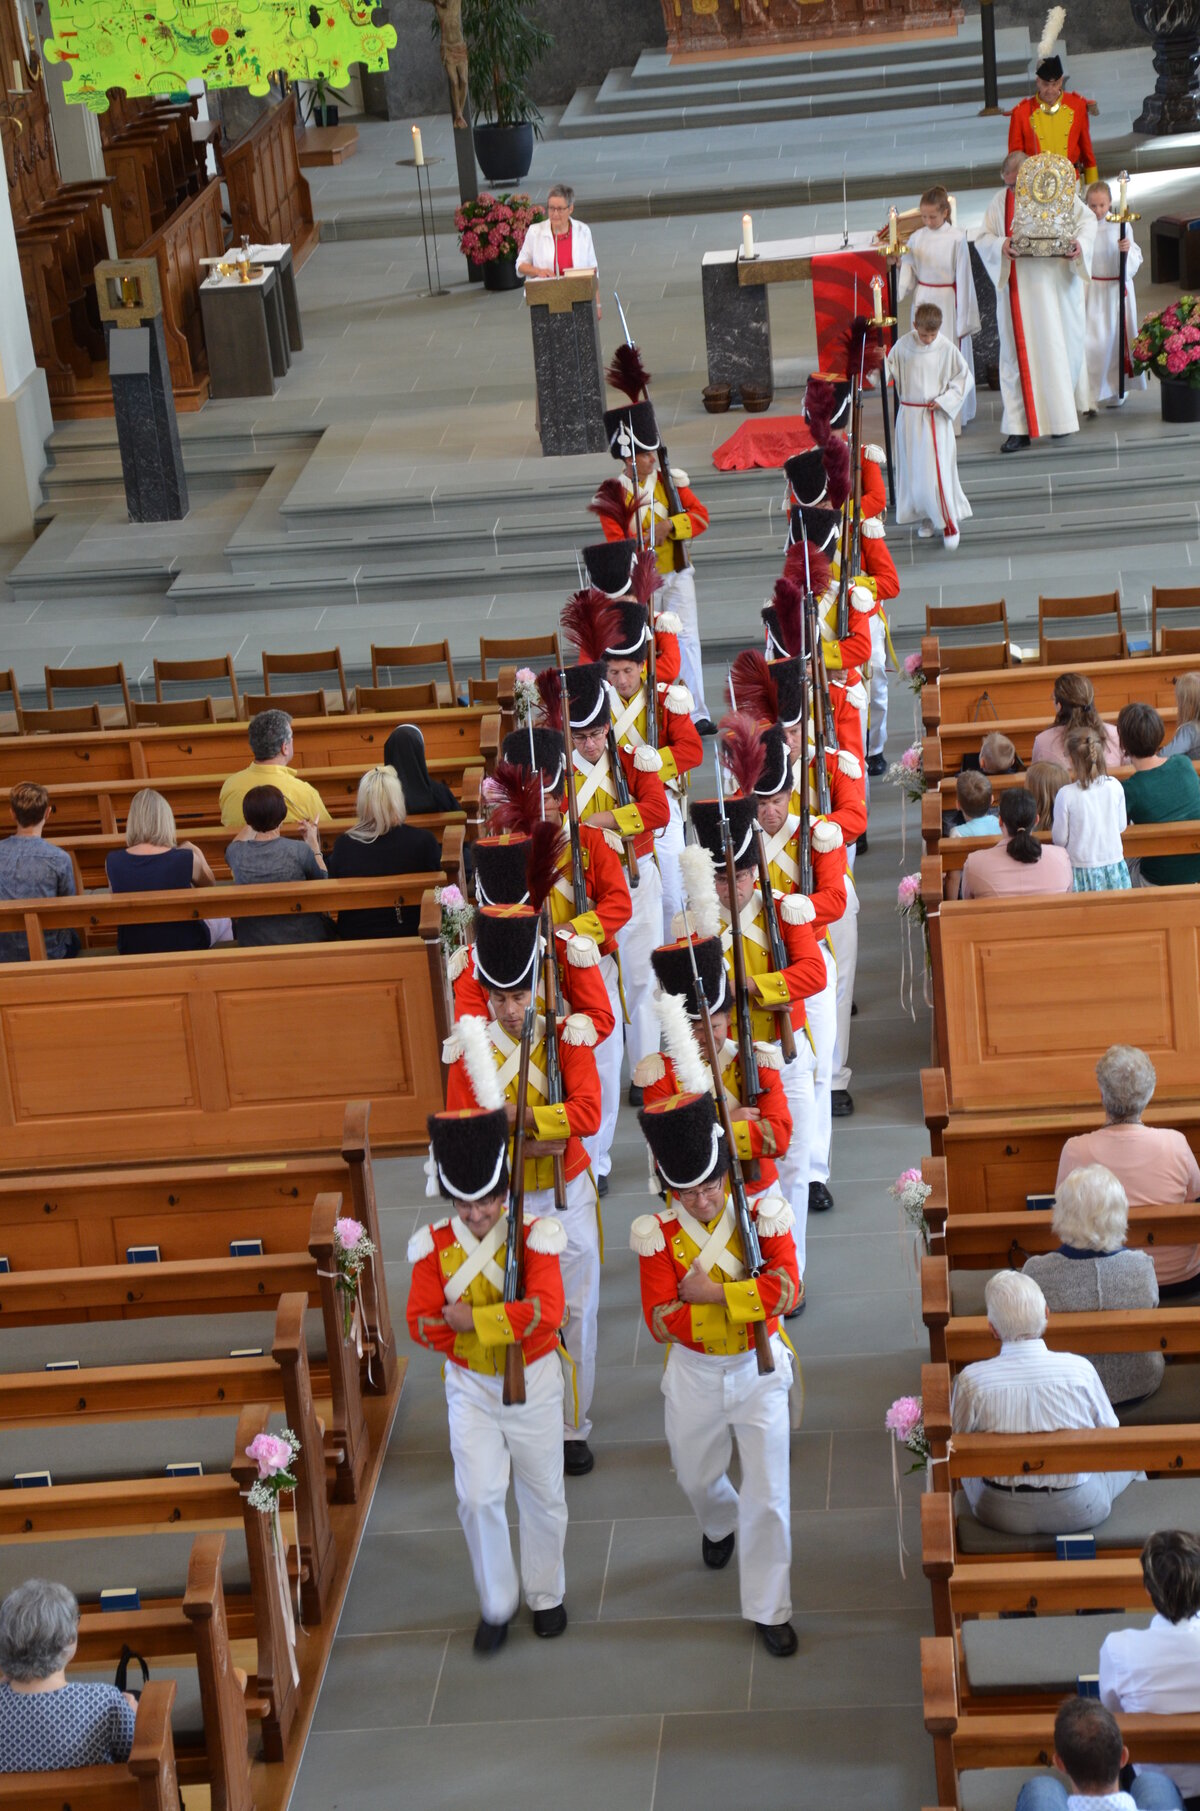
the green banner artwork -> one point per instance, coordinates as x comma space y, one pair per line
160, 47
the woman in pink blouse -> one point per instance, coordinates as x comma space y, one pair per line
1018, 863
1075, 708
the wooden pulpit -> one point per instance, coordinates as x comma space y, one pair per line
566, 362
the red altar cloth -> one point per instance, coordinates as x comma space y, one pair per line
763, 440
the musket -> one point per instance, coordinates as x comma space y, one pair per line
621, 790
807, 878
514, 1249
822, 708
747, 1058
679, 552
552, 999
747, 1231
578, 880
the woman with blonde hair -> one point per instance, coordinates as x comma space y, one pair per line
1044, 781
1075, 708
154, 861
1186, 740
380, 842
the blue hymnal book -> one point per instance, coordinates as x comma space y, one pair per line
32, 1480
1088, 1685
4, 1266
1075, 1546
120, 1597
185, 1468
142, 1254
245, 1248
1039, 1203
63, 1364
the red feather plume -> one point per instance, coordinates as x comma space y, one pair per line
550, 697
591, 625
862, 349
819, 401
628, 374
647, 579
613, 503
788, 599
752, 689
513, 796
819, 569
741, 745
542, 861
836, 457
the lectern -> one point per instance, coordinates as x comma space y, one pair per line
566, 362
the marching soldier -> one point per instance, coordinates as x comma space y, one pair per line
456, 1307
698, 1300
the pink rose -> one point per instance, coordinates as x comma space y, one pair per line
903, 1416
907, 1176
348, 1231
912, 664
910, 760
527, 676
908, 891
271, 1454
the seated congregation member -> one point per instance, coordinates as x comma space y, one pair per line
382, 843
270, 735
1018, 863
973, 796
1093, 1270
1089, 816
404, 751
1090, 1756
1075, 708
1156, 1671
1186, 740
261, 855
32, 868
1044, 780
1154, 1165
46, 1723
997, 754
698, 1301
456, 1308
1027, 1389
1162, 789
152, 862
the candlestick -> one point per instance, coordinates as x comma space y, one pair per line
1123, 205
877, 298
747, 236
893, 230
418, 150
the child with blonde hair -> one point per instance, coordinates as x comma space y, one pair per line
934, 384
935, 266
1102, 306
1089, 816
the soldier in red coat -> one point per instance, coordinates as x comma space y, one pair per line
1053, 119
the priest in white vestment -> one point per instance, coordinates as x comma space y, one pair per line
933, 381
1040, 309
1103, 310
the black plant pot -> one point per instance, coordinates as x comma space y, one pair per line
325, 116
504, 152
501, 273
1180, 402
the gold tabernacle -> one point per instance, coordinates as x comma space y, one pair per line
1044, 207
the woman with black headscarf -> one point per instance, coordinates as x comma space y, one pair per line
405, 751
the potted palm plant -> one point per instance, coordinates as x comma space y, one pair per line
504, 44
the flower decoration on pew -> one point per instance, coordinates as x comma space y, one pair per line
909, 773
911, 907
909, 903
1168, 344
275, 1455
912, 1192
457, 914
914, 672
526, 700
905, 1420
352, 1250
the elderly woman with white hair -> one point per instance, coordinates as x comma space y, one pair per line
45, 1723
1154, 1165
382, 843
1092, 1270
1027, 1389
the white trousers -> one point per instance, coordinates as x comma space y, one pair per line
485, 1439
636, 942
710, 1401
878, 712
797, 1079
668, 845
822, 1022
580, 1266
679, 594
845, 948
608, 1066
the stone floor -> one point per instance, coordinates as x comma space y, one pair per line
658, 1698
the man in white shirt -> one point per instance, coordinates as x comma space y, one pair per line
1030, 1390
1088, 1756
1156, 1671
560, 244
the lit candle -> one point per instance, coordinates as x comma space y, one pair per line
418, 152
1124, 181
877, 297
893, 230
747, 236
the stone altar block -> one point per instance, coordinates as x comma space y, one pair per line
246, 333
566, 363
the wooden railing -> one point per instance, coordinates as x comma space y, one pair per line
269, 196
193, 232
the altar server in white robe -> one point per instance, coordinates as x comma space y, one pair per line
935, 266
1040, 308
1103, 317
933, 381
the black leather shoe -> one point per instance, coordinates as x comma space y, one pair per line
549, 1623
841, 1105
634, 1096
819, 1198
602, 1186
578, 1458
876, 764
490, 1636
861, 844
705, 726
797, 1308
1014, 443
853, 1010
779, 1638
716, 1553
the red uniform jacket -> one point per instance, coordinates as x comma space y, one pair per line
759, 1141
847, 796
803, 975
874, 486
610, 907
666, 1251
579, 976
435, 1254
679, 743
1022, 137
577, 1116
648, 806
879, 565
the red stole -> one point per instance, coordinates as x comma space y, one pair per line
1014, 299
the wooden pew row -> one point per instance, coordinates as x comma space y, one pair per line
128, 1059
88, 807
977, 700
1003, 1240
465, 735
147, 1781
1138, 840
942, 755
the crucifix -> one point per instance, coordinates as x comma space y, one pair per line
454, 61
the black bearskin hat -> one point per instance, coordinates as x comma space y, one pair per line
806, 474
673, 968
506, 946
587, 690
609, 566
685, 1140
631, 427
742, 814
548, 754
500, 870
470, 1153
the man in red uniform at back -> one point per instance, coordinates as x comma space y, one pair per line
1054, 119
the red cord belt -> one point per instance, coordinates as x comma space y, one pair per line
937, 464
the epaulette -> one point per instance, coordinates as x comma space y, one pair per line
582, 952
422, 1242
774, 1225
861, 599
613, 840
647, 759
546, 1235
797, 908
458, 962
646, 1236
452, 1048
849, 764
679, 700
577, 1029
826, 836
651, 1069
667, 623
872, 529
769, 1056
876, 454
680, 477
857, 694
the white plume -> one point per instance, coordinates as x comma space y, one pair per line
1056, 18
481, 1065
679, 1042
704, 908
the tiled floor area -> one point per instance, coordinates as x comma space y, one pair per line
659, 1698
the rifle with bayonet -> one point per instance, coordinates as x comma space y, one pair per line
778, 950
624, 800
822, 707
747, 1059
578, 880
514, 1249
553, 1003
679, 552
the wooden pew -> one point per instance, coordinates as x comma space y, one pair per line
1002, 1239
1138, 840
194, 232
269, 196
979, 700
147, 1781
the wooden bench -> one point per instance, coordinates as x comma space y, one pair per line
982, 701
1138, 841
269, 196
1004, 1239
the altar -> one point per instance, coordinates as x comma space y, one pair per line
710, 25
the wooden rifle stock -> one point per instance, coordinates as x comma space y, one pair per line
621, 790
807, 878
652, 683
514, 1251
552, 998
856, 485
578, 878
679, 552
747, 1060
779, 959
822, 708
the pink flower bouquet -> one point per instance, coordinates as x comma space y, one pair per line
525, 696
352, 1250
274, 1455
914, 672
912, 1192
457, 914
905, 1421
909, 773
1168, 344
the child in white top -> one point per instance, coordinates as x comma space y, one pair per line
1089, 816
936, 267
1103, 319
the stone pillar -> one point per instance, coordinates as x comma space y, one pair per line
25, 422
737, 326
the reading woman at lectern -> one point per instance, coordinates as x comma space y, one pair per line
560, 244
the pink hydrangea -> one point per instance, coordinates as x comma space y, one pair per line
909, 891
903, 1416
1176, 362
271, 1454
451, 897
349, 1231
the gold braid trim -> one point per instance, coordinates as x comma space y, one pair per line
658, 1322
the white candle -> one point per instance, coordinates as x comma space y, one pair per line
418, 152
877, 297
893, 230
747, 236
1124, 180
